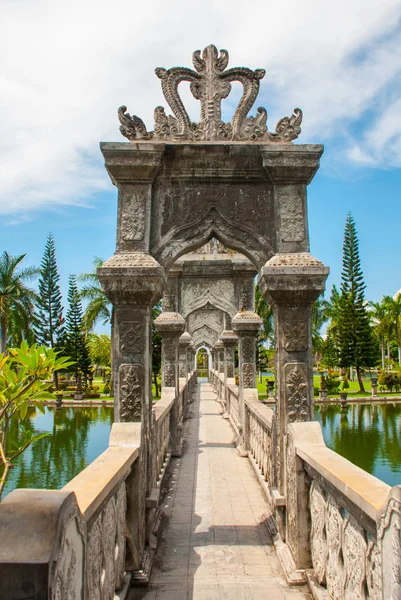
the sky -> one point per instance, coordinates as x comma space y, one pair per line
66, 67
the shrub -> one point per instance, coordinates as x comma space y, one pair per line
332, 385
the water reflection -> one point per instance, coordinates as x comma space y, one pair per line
367, 434
79, 435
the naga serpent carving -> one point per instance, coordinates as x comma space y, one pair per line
210, 83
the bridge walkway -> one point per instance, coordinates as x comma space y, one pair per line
214, 545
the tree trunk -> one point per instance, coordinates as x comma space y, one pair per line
3, 335
399, 355
359, 376
383, 355
156, 384
55, 379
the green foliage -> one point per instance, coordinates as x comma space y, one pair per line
22, 375
389, 381
17, 301
264, 310
99, 307
99, 349
357, 342
76, 346
320, 314
49, 322
156, 348
345, 384
332, 385
329, 352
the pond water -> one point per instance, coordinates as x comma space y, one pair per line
79, 435
368, 435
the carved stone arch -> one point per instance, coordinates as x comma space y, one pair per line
210, 298
205, 335
179, 240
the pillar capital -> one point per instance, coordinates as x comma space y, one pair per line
132, 278
246, 323
170, 324
288, 164
295, 279
185, 340
228, 338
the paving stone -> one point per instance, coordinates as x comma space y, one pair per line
215, 545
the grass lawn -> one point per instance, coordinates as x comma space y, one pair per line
352, 390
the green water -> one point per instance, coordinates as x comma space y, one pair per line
368, 435
79, 435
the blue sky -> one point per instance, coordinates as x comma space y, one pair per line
66, 67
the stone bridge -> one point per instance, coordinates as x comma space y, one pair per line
208, 493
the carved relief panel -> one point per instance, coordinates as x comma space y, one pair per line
131, 382
296, 392
133, 201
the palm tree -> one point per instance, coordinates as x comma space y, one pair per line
99, 307
320, 315
393, 307
264, 310
381, 324
16, 300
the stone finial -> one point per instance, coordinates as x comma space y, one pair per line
228, 338
170, 323
210, 83
185, 339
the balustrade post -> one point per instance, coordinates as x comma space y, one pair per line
229, 340
134, 282
291, 283
171, 325
246, 325
183, 346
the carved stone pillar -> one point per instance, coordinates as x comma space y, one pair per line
183, 344
213, 352
134, 282
171, 326
246, 325
291, 283
219, 349
230, 340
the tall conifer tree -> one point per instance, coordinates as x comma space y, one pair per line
49, 322
76, 346
357, 344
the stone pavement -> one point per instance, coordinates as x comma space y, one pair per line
214, 545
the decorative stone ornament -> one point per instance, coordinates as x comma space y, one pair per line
210, 83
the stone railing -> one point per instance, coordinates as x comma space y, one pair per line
341, 526
84, 541
259, 421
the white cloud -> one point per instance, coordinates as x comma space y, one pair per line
66, 67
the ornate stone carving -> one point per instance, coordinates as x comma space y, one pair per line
132, 224
230, 369
291, 494
94, 559
131, 338
296, 386
354, 553
389, 537
210, 83
169, 348
67, 582
335, 563
121, 518
248, 375
295, 336
318, 532
169, 376
248, 349
109, 547
131, 390
292, 217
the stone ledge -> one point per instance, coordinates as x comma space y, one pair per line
367, 492
260, 411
